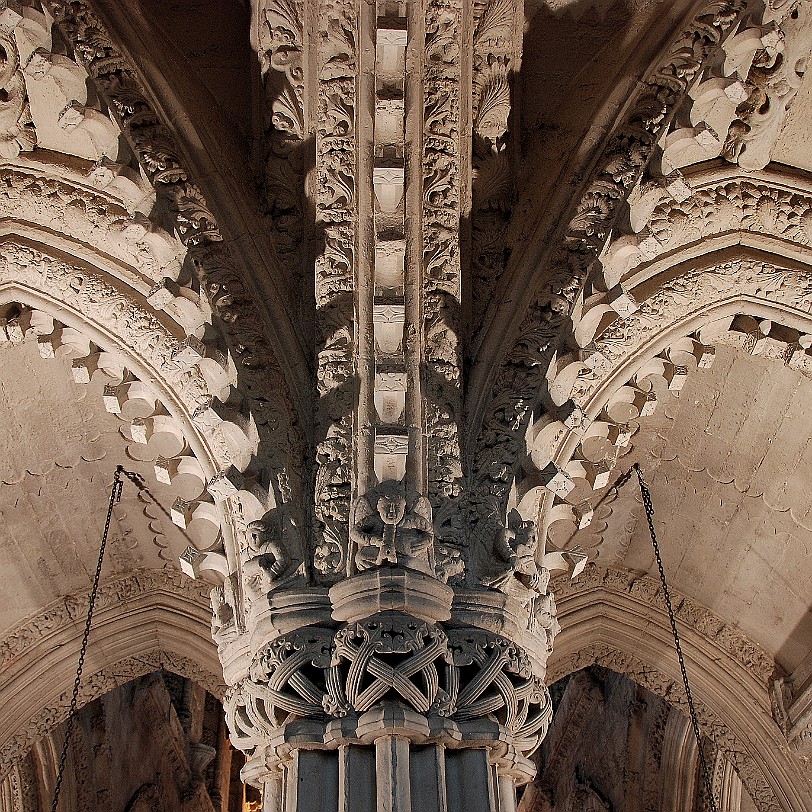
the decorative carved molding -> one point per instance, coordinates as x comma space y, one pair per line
96, 685
66, 612
647, 591
442, 204
520, 380
336, 206
231, 294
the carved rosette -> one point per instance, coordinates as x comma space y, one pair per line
461, 686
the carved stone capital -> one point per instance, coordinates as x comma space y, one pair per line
325, 687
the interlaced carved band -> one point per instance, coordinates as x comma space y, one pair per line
322, 674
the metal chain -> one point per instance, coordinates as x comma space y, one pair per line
647, 504
115, 496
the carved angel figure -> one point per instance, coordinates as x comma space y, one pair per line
522, 578
266, 562
392, 527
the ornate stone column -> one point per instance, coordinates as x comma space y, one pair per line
393, 656
401, 694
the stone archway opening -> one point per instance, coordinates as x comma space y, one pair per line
158, 741
614, 744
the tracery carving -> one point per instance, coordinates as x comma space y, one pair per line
465, 676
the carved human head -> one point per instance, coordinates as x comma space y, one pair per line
257, 533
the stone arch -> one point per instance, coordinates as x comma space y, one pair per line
618, 621
743, 292
114, 281
144, 621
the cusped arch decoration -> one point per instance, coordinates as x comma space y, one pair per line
617, 620
144, 621
679, 309
156, 333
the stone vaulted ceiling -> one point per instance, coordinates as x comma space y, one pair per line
272, 255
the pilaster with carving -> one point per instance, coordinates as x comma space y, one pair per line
336, 202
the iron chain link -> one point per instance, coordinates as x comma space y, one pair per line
649, 507
115, 496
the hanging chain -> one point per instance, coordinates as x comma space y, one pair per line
647, 504
115, 496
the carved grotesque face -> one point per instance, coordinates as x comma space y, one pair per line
392, 507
